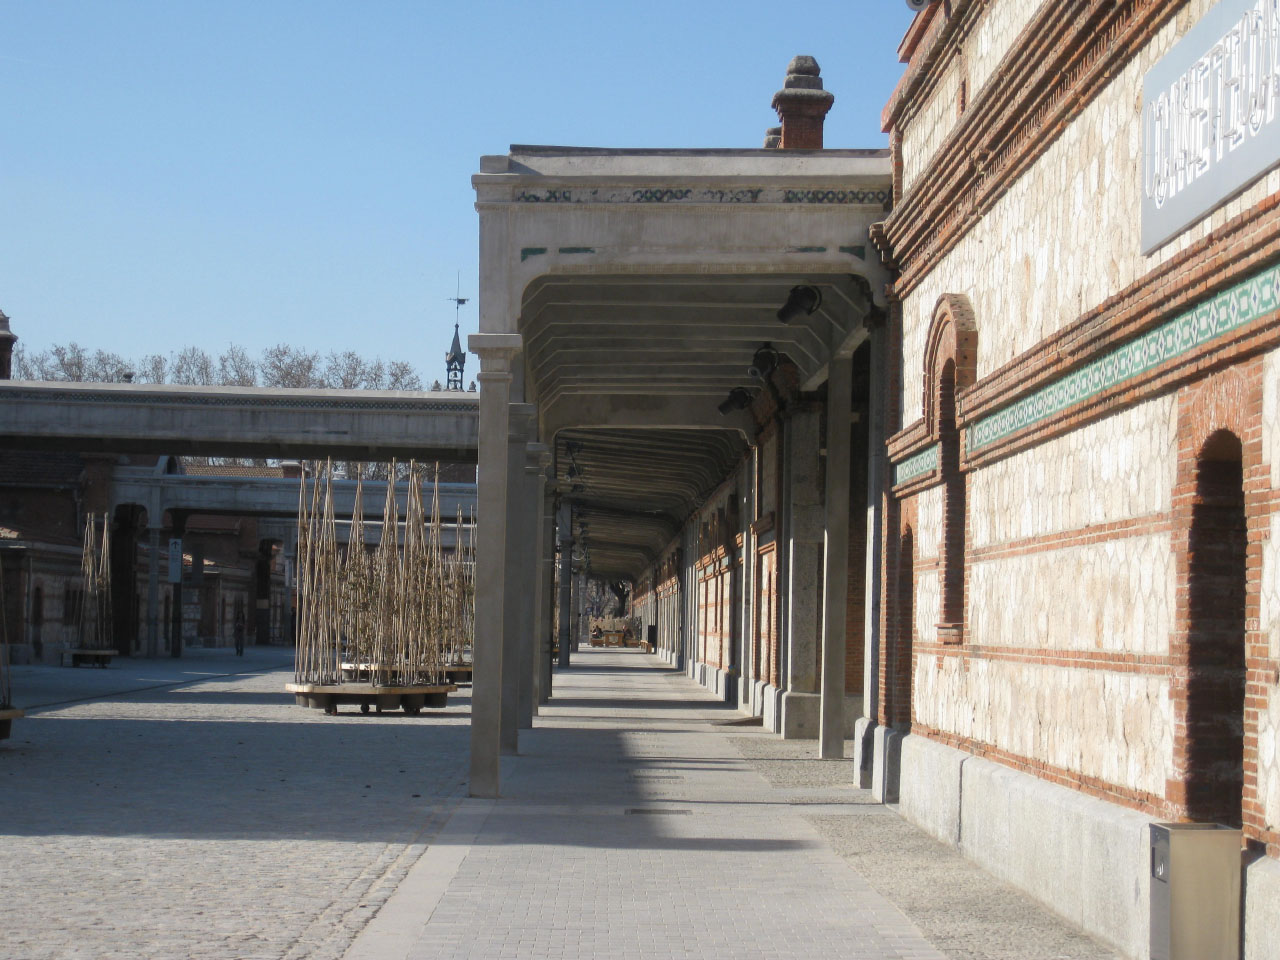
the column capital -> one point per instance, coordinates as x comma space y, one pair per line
522, 422
495, 350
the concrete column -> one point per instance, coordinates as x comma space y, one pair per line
546, 579
153, 588
747, 611
863, 730
804, 534
517, 585
564, 533
529, 545
495, 351
835, 588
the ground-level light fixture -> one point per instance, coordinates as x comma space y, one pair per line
802, 301
739, 399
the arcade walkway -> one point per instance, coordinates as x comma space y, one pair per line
641, 821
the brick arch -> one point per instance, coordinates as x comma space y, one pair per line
951, 361
953, 335
1217, 651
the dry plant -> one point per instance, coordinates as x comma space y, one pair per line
399, 616
93, 625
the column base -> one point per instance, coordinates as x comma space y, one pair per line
864, 750
885, 772
800, 715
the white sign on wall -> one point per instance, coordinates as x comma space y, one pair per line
1210, 124
175, 560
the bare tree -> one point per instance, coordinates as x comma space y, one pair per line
104, 367
345, 371
401, 376
236, 368
278, 366
192, 367
20, 369
286, 366
153, 368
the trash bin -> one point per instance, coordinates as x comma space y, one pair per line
1195, 892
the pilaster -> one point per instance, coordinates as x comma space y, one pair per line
804, 533
495, 351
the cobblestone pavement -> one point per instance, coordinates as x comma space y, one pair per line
189, 809
207, 816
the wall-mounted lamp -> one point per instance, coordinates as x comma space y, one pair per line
739, 399
802, 301
764, 362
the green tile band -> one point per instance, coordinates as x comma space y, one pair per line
1229, 310
914, 466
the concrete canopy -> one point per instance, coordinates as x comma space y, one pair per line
641, 283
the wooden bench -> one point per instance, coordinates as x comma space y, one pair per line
98, 658
7, 716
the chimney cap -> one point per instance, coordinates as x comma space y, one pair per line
6, 334
803, 84
803, 71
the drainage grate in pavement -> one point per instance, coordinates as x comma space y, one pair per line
652, 812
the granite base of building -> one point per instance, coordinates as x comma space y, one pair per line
1084, 858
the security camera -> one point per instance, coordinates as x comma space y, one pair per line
915, 6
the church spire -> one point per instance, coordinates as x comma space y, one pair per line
454, 361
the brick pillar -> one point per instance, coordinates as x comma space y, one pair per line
7, 340
802, 105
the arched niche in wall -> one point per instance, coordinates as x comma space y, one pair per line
950, 365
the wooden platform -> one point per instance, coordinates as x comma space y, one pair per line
81, 655
7, 716
458, 673
411, 699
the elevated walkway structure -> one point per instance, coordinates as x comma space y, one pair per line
238, 421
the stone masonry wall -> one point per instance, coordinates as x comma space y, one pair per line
1107, 472
1029, 267
1109, 727
996, 30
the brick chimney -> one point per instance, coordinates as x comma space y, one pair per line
773, 138
802, 105
7, 340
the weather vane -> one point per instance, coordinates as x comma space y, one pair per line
458, 299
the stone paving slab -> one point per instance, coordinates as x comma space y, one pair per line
655, 839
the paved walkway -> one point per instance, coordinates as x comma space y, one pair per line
635, 825
182, 809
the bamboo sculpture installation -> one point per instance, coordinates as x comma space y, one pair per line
93, 627
382, 628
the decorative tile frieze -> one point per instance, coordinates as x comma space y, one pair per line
702, 195
916, 465
1229, 310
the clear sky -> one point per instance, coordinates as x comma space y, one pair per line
201, 172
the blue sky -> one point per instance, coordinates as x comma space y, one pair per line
201, 172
